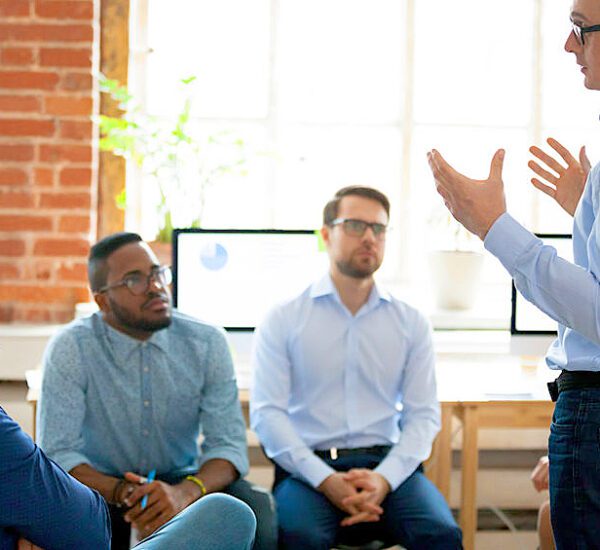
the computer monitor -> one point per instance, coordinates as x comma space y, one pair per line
232, 277
532, 331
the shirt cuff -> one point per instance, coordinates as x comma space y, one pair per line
67, 460
239, 461
314, 470
507, 239
397, 469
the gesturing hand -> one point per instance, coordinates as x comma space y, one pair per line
476, 204
164, 502
565, 185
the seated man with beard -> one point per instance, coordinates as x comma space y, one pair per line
130, 389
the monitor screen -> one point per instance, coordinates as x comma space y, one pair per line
232, 277
526, 318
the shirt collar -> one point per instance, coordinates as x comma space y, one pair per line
325, 287
124, 345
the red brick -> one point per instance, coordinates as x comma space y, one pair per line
66, 57
61, 247
64, 10
76, 176
43, 176
25, 223
17, 200
12, 176
9, 271
75, 129
7, 313
33, 315
65, 200
73, 272
12, 247
68, 105
74, 224
24, 127
14, 8
28, 32
28, 80
41, 271
76, 82
19, 103
71, 153
43, 294
17, 56
16, 153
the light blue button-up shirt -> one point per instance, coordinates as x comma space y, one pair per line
568, 293
324, 378
121, 404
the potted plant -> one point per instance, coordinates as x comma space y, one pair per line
176, 164
455, 262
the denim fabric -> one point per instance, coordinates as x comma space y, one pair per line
415, 515
215, 522
574, 451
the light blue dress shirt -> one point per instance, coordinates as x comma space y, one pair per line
568, 293
324, 378
121, 404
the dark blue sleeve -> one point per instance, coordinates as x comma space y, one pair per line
41, 502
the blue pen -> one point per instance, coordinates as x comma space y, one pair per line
149, 479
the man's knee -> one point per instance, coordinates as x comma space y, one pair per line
238, 515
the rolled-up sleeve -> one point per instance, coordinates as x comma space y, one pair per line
62, 403
221, 416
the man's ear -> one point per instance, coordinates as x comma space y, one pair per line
102, 301
325, 234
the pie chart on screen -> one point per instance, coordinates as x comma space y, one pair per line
213, 256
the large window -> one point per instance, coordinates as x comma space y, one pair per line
354, 91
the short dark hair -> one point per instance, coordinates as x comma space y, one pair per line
330, 212
99, 253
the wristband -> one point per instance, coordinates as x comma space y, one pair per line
198, 482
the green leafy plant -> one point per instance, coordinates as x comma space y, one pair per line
177, 164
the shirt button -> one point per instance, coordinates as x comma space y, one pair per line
146, 369
146, 403
145, 432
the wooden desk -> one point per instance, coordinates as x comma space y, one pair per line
533, 413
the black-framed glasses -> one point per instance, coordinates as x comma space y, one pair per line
580, 32
138, 283
357, 228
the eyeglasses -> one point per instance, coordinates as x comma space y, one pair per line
579, 32
138, 283
357, 228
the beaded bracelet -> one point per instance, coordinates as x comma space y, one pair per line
198, 482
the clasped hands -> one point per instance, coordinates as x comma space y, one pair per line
164, 502
359, 492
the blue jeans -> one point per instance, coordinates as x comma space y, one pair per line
415, 514
574, 451
215, 522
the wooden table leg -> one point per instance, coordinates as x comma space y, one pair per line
470, 464
444, 452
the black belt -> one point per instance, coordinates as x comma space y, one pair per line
334, 453
573, 380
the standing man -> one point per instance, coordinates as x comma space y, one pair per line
569, 293
331, 367
130, 389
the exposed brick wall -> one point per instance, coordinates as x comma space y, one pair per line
48, 54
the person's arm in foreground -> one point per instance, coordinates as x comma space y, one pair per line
42, 503
224, 452
420, 423
270, 420
568, 293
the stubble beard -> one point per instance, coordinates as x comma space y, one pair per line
128, 320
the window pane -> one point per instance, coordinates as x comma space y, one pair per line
225, 44
473, 61
341, 60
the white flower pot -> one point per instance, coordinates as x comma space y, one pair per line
455, 275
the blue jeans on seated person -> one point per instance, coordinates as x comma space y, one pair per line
574, 452
215, 522
415, 514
